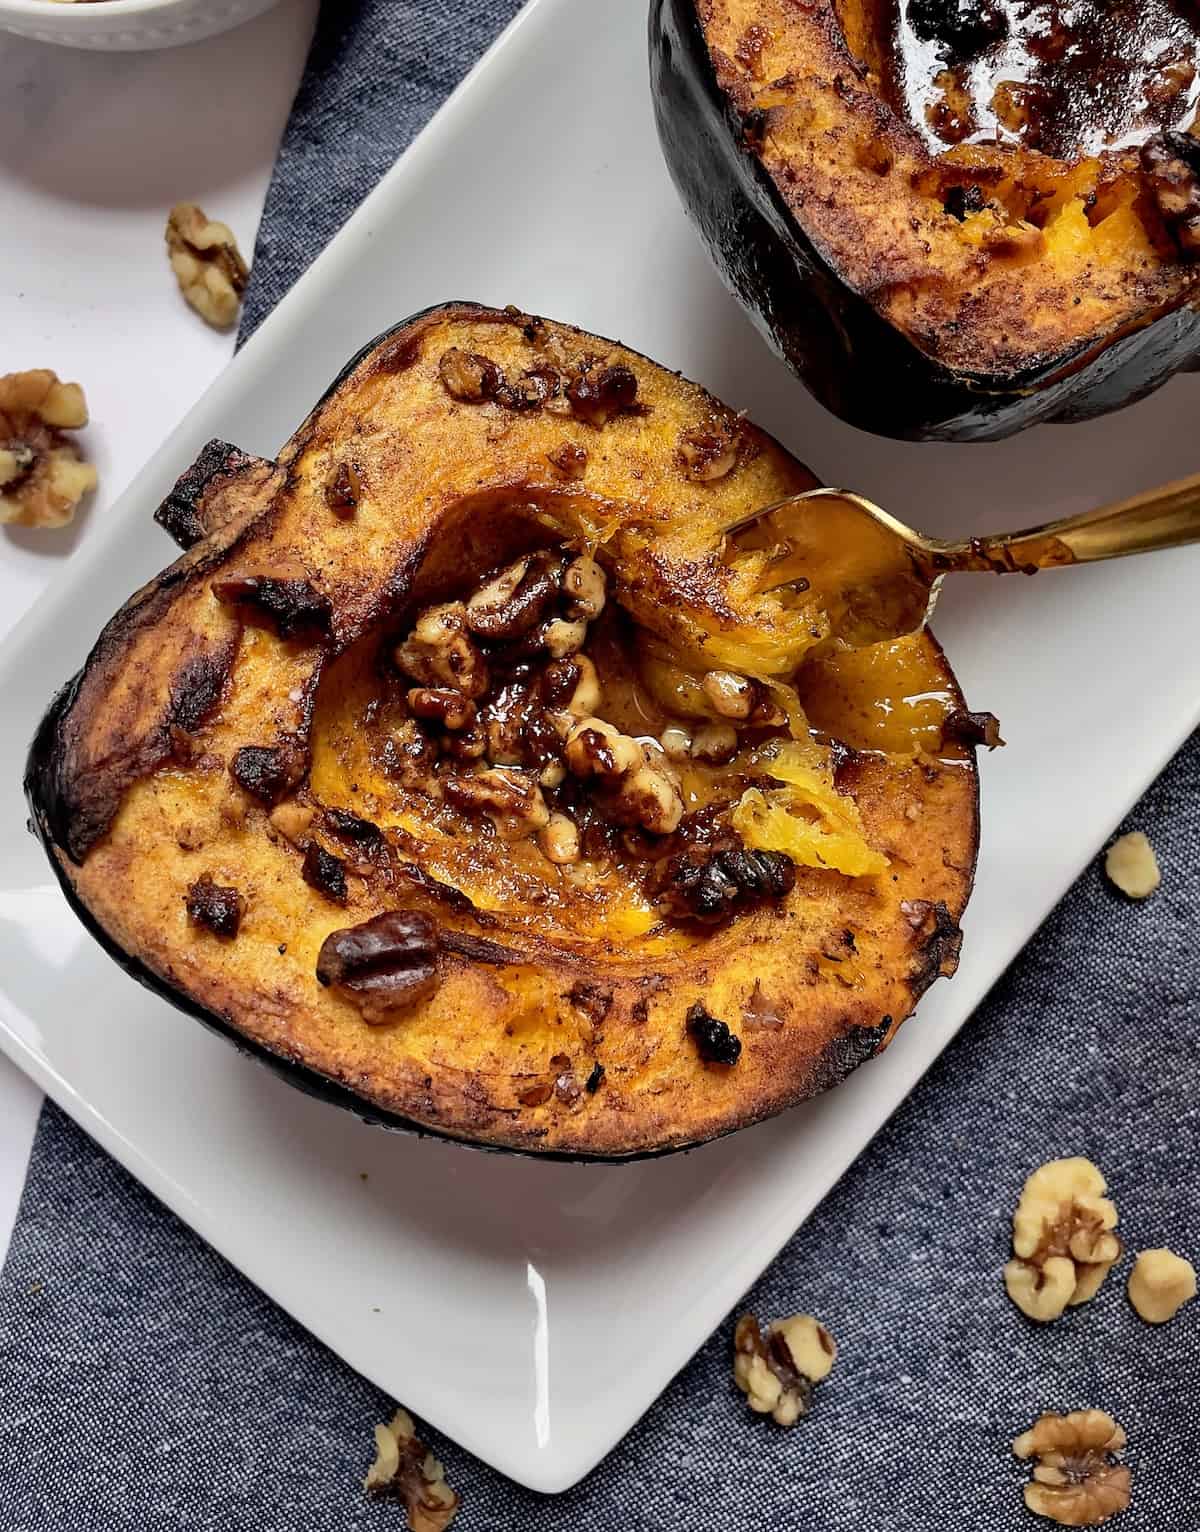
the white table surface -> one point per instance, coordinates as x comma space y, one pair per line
94, 149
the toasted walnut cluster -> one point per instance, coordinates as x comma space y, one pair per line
207, 264
587, 388
1160, 1283
405, 1470
1063, 1240
504, 709
778, 1371
1077, 1481
42, 478
1131, 865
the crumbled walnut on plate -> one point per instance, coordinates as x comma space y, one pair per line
778, 1371
1132, 866
1063, 1244
404, 1469
207, 264
1160, 1283
1076, 1481
42, 479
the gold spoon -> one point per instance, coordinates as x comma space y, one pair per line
879, 578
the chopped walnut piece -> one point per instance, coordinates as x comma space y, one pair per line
468, 376
585, 585
709, 452
207, 264
343, 490
1160, 1283
42, 478
714, 1041
706, 885
640, 786
778, 1371
972, 729
579, 685
218, 909
1171, 173
596, 395
732, 696
558, 840
404, 1469
439, 652
1132, 866
714, 743
1076, 1480
568, 461
293, 821
562, 637
449, 708
514, 599
1063, 1244
512, 799
598, 749
531, 390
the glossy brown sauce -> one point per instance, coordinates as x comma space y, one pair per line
1068, 79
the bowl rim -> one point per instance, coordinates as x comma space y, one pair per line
104, 7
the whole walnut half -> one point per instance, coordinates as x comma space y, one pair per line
1063, 1244
42, 478
1076, 1480
207, 264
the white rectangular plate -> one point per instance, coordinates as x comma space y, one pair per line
473, 1287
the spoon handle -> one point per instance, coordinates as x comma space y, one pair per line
1166, 517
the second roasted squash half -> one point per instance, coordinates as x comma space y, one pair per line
953, 218
464, 768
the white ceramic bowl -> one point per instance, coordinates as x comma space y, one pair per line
126, 25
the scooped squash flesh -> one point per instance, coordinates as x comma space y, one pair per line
329, 785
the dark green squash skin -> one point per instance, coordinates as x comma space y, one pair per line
856, 363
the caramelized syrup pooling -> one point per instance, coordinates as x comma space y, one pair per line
1066, 77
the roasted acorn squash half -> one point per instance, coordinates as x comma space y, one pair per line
462, 769
952, 218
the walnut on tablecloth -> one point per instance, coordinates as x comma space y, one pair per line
777, 1371
42, 477
1077, 1481
1063, 1244
1132, 866
404, 1469
1160, 1283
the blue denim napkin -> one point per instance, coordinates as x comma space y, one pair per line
146, 1387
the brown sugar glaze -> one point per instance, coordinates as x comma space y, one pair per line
888, 699
1067, 79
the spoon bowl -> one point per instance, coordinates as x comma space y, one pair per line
879, 578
